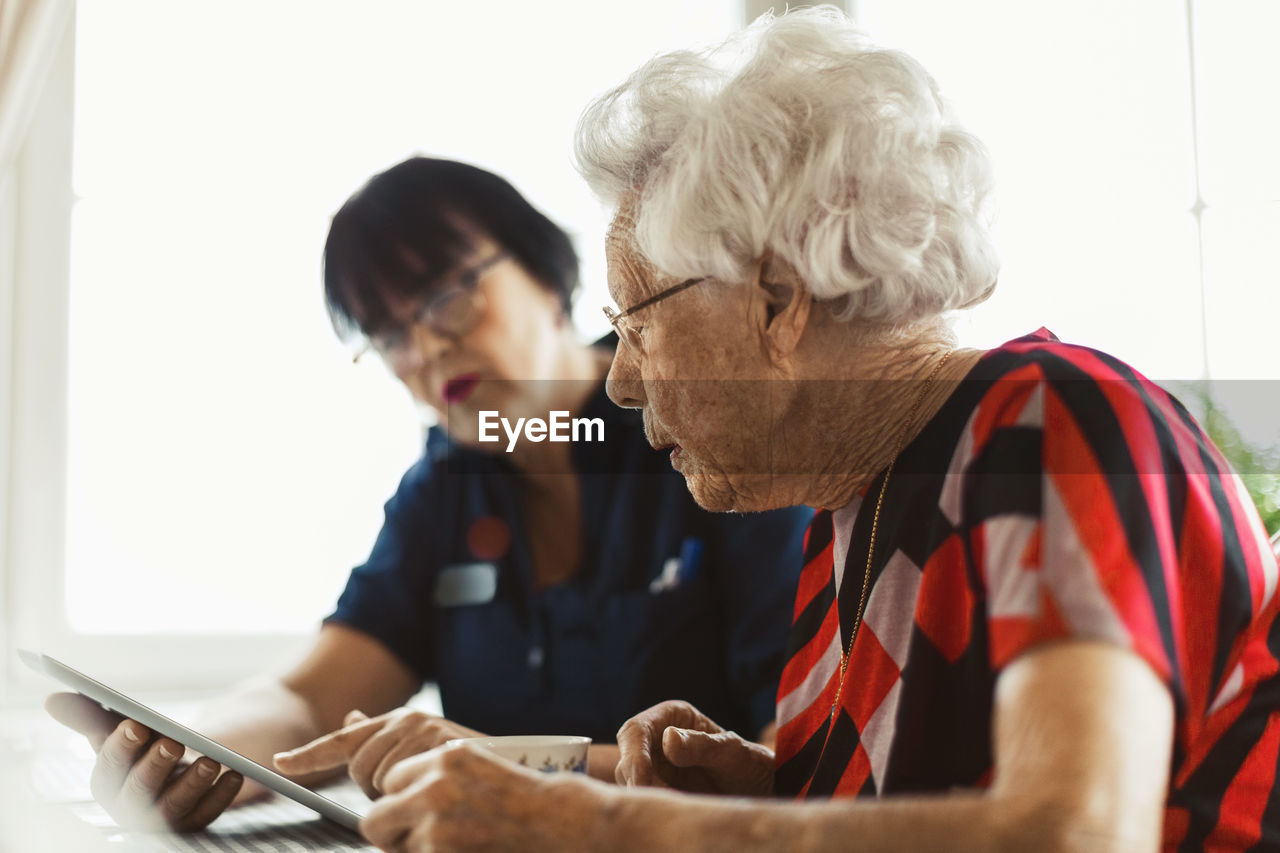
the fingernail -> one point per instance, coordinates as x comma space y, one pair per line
204, 770
165, 752
130, 735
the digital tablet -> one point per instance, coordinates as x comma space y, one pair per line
114, 700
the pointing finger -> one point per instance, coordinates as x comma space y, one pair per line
328, 751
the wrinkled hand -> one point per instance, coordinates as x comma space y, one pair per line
370, 746
461, 798
140, 777
674, 745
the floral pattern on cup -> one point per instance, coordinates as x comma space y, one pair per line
545, 753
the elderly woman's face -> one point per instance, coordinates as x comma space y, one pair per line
701, 379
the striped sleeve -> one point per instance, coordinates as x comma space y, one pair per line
1095, 507
1087, 491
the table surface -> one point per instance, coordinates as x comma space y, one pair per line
45, 802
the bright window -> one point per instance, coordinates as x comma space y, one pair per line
1104, 159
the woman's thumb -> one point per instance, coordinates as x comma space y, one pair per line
692, 748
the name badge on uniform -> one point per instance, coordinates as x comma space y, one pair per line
466, 583
679, 570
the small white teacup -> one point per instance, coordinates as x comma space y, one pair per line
548, 753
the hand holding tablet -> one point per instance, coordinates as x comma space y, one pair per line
141, 778
139, 750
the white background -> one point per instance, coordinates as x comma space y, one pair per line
221, 440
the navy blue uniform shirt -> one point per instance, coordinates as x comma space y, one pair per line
671, 602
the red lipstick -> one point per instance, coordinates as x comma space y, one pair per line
459, 388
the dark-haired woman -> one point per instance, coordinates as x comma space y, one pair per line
546, 586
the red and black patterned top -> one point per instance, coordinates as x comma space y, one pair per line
1057, 493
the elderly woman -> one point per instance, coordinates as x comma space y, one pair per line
1038, 608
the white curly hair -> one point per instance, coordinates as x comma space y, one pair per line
800, 136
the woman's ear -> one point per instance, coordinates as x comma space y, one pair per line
780, 303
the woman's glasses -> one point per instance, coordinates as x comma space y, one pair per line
628, 331
451, 312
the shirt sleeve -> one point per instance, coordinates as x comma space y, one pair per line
758, 558
388, 597
1088, 490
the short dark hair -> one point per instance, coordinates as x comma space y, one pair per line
416, 222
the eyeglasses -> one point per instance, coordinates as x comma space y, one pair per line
628, 331
451, 313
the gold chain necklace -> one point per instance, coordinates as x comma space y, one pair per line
875, 523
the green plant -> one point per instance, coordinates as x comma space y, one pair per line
1258, 465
